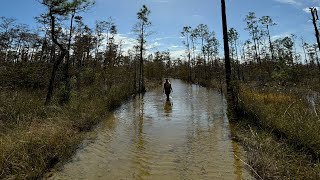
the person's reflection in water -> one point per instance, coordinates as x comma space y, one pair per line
168, 108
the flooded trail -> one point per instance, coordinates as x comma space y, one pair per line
148, 138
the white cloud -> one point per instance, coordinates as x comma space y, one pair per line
128, 41
178, 53
291, 2
164, 38
175, 47
282, 35
197, 16
153, 46
301, 3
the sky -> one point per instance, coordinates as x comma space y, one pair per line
168, 17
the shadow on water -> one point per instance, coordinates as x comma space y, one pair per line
187, 137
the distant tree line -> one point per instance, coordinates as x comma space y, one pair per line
262, 57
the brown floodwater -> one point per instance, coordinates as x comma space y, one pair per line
149, 138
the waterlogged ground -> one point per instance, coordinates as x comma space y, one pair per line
148, 138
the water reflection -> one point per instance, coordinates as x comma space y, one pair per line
168, 108
149, 138
139, 158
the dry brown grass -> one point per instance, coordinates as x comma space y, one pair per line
34, 138
273, 158
284, 141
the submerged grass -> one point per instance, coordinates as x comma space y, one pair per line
34, 138
280, 131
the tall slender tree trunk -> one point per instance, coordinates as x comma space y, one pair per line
314, 19
67, 65
193, 59
78, 75
53, 75
244, 53
56, 63
270, 43
256, 48
18, 54
236, 49
141, 80
7, 50
258, 52
33, 51
317, 58
52, 53
189, 59
229, 83
135, 76
305, 54
237, 59
43, 48
204, 58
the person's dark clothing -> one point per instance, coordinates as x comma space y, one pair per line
167, 89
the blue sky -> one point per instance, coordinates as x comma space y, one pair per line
169, 16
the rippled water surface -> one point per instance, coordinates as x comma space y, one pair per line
149, 138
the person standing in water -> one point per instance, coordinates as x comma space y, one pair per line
167, 89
